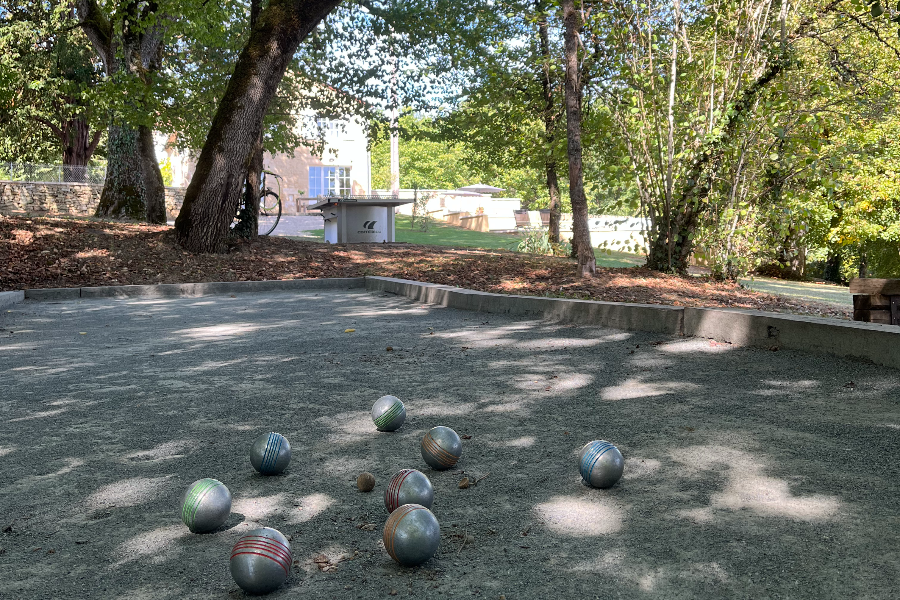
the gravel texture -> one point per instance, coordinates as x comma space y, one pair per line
748, 473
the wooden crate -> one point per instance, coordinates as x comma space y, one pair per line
876, 300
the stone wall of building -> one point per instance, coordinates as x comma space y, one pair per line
75, 199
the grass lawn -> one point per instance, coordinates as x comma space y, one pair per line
818, 292
441, 234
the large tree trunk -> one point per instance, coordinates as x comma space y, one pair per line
123, 190
154, 188
77, 143
581, 237
212, 197
247, 226
134, 184
548, 86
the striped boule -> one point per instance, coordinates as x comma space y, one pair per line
270, 453
261, 560
441, 448
388, 413
601, 464
411, 535
408, 486
205, 505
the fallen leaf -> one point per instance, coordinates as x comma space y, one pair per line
349, 330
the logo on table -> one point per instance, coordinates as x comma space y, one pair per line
368, 227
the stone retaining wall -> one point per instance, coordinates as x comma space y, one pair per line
76, 199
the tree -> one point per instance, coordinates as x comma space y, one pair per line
214, 192
685, 85
129, 41
49, 107
581, 238
550, 116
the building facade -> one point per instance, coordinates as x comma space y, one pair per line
343, 169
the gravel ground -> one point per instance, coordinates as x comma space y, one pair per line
749, 474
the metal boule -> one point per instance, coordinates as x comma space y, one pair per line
408, 486
270, 454
441, 448
411, 535
601, 464
261, 560
205, 505
388, 413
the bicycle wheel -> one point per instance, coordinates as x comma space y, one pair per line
269, 212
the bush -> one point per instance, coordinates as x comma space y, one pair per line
537, 241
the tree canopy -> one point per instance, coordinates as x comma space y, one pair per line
755, 134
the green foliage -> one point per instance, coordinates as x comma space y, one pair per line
425, 163
47, 81
165, 168
536, 241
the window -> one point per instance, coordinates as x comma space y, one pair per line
329, 181
332, 127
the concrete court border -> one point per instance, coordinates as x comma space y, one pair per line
873, 342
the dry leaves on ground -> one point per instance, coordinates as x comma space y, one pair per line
46, 252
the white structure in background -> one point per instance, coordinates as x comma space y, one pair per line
464, 207
611, 232
361, 219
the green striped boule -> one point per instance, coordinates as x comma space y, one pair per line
205, 505
388, 413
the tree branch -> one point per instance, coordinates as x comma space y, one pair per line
54, 128
94, 142
97, 28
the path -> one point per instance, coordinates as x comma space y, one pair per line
749, 473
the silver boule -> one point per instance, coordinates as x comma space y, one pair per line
601, 464
411, 535
441, 448
270, 454
409, 486
261, 560
388, 413
205, 505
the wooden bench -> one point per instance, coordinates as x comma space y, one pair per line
876, 300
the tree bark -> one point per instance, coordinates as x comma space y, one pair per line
154, 188
548, 86
581, 238
214, 192
247, 226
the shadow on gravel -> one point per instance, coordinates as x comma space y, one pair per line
748, 473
